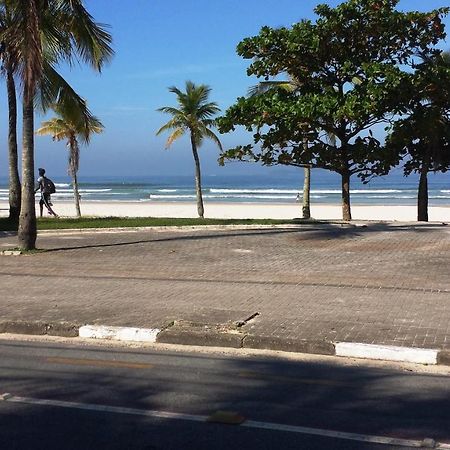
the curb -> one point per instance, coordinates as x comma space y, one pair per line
40, 328
118, 333
209, 336
387, 352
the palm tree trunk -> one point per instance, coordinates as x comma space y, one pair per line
346, 209
76, 194
306, 192
422, 194
198, 179
14, 180
27, 231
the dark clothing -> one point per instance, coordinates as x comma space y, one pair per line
45, 199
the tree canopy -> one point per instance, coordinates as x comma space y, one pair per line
351, 68
422, 137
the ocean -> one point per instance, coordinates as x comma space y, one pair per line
274, 188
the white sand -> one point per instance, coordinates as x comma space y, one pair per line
242, 210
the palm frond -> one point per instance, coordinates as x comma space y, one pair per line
90, 39
55, 127
194, 113
170, 125
176, 134
265, 86
170, 110
57, 94
63, 128
207, 133
207, 110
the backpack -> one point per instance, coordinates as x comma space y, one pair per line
48, 186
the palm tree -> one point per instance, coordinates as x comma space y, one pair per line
40, 34
194, 116
67, 128
291, 85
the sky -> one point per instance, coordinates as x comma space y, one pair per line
160, 43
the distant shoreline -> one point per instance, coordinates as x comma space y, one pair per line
235, 210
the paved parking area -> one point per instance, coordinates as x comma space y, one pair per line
380, 283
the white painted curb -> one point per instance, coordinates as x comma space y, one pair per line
387, 352
119, 333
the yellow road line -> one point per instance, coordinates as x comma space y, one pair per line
98, 363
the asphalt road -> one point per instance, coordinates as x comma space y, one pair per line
120, 398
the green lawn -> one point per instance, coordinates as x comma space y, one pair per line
116, 222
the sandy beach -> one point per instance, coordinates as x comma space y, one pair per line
242, 210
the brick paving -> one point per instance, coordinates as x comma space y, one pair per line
385, 284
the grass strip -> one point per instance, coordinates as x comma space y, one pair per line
124, 222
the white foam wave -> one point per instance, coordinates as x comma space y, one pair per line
62, 195
167, 190
171, 196
376, 191
295, 191
255, 191
393, 196
93, 191
62, 184
263, 196
257, 196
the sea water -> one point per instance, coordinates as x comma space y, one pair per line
273, 188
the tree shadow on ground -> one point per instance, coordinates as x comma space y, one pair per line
313, 232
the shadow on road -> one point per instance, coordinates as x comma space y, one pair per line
354, 398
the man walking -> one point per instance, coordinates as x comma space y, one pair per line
47, 187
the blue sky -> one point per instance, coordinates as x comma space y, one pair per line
160, 43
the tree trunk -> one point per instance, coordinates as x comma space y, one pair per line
76, 194
198, 179
306, 192
14, 180
422, 194
27, 221
346, 210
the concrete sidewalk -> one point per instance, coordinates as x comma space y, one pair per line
294, 289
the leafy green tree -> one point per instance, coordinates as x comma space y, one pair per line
66, 127
290, 85
350, 67
422, 138
194, 115
40, 34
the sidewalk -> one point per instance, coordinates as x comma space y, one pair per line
294, 289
